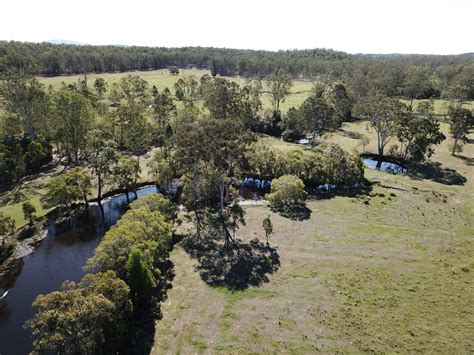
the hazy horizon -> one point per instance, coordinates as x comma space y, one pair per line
364, 27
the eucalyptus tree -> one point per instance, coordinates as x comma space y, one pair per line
383, 114
417, 131
25, 98
279, 83
126, 173
212, 149
101, 157
461, 122
74, 118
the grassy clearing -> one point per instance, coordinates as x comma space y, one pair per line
393, 275
162, 79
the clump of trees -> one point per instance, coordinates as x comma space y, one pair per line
85, 317
417, 129
94, 315
323, 111
327, 164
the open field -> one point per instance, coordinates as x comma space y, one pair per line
388, 272
162, 79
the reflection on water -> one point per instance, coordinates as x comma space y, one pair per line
383, 166
61, 256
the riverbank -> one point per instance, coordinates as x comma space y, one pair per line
26, 238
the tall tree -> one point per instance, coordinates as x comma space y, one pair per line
316, 116
461, 122
101, 156
212, 149
25, 98
29, 212
337, 97
139, 278
126, 173
74, 118
7, 226
100, 87
383, 114
417, 131
279, 84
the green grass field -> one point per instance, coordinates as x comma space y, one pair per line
162, 79
384, 273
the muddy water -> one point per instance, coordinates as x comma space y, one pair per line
61, 256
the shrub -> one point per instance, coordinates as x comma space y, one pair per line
287, 192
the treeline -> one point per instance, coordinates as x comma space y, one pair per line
411, 76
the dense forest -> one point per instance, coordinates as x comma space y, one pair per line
411, 76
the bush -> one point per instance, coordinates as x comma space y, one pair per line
287, 192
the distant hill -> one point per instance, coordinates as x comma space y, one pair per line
65, 41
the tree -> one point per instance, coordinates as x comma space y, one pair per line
36, 155
212, 149
316, 116
287, 192
336, 96
100, 87
156, 202
139, 278
101, 156
161, 172
12, 161
60, 193
279, 84
7, 226
267, 227
78, 177
462, 88
125, 174
74, 118
139, 228
24, 97
461, 122
29, 212
383, 114
82, 318
164, 107
417, 131
131, 126
173, 69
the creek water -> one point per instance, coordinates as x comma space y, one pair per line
383, 166
60, 256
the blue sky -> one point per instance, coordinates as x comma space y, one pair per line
358, 26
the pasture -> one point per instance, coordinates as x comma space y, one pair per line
390, 271
162, 79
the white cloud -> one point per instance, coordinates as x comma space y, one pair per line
367, 26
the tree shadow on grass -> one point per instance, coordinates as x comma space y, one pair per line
295, 213
433, 171
236, 266
350, 134
468, 161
